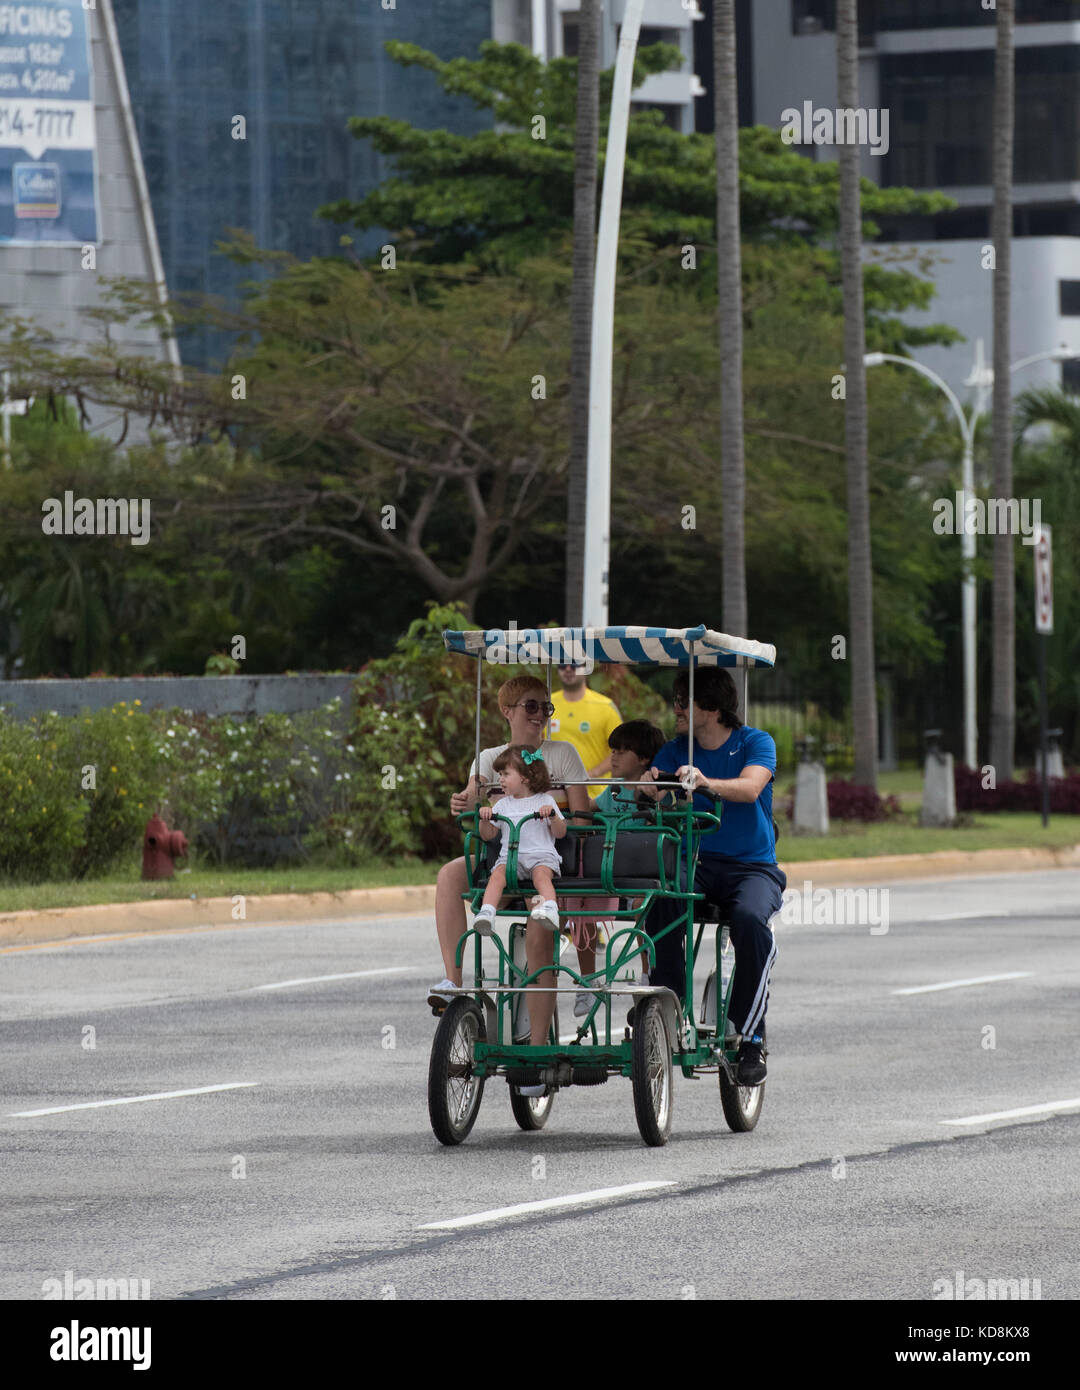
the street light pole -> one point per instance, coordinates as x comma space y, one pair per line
967, 542
594, 606
981, 378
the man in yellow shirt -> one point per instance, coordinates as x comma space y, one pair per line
584, 718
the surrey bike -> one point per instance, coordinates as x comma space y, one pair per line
636, 855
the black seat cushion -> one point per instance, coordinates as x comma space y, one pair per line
635, 860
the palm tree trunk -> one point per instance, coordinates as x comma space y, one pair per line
860, 572
581, 297
729, 318
1003, 682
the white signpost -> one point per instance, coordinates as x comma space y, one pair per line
1044, 627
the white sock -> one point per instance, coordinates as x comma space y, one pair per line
487, 911
644, 977
550, 902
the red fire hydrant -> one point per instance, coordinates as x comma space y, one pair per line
160, 847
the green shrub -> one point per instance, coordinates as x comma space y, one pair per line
113, 753
42, 813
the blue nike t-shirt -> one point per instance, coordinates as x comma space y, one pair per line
746, 830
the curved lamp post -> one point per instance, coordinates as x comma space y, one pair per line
983, 379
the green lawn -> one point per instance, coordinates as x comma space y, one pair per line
213, 883
1005, 830
906, 783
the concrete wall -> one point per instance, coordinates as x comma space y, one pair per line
243, 695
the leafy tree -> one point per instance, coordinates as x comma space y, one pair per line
499, 196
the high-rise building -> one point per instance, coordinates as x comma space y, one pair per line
929, 66
241, 108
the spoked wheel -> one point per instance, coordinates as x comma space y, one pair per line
531, 1112
651, 1073
742, 1104
454, 1093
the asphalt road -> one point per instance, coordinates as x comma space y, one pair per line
316, 1174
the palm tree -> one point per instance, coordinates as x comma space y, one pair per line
729, 317
581, 297
1047, 405
860, 573
1003, 677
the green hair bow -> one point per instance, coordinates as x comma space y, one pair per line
528, 757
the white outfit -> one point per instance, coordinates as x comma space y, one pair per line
562, 761
537, 842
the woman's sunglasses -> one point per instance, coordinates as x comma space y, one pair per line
531, 707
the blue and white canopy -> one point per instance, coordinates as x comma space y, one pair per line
625, 646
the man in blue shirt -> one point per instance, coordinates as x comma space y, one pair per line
737, 867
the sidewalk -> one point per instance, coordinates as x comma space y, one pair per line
183, 914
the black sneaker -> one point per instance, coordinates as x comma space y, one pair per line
751, 1070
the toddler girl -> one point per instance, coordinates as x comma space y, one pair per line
526, 789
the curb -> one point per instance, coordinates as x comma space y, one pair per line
884, 868
179, 914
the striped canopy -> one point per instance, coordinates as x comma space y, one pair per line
626, 646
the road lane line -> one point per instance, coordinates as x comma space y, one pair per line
959, 984
959, 916
348, 975
1049, 1107
130, 1100
600, 1194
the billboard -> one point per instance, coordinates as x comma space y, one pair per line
48, 173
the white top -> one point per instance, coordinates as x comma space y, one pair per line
537, 842
562, 760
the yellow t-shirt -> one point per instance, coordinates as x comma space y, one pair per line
586, 723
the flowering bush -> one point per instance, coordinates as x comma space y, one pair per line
971, 795
76, 793
849, 802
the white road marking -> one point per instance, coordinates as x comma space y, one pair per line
959, 916
1048, 1108
348, 975
600, 1194
959, 984
130, 1100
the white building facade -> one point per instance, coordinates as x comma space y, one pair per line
550, 29
929, 64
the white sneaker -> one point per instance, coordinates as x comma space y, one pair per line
483, 922
546, 912
532, 1091
583, 1002
437, 998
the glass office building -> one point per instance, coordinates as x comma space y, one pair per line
295, 70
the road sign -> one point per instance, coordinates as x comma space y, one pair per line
1044, 583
